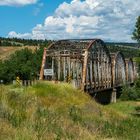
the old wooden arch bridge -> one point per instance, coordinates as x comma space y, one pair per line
88, 65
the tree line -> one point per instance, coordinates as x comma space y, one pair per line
22, 42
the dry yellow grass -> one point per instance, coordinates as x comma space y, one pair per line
5, 52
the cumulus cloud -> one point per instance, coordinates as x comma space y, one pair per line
18, 35
111, 20
17, 2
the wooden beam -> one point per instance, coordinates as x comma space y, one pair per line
43, 65
84, 69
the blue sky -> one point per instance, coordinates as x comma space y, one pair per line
110, 20
22, 18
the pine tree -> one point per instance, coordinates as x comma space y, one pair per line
136, 33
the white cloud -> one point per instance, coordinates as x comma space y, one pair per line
17, 2
111, 20
18, 35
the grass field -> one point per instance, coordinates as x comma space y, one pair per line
49, 111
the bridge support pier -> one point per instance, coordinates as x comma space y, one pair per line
113, 96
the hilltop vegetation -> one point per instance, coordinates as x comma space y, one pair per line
34, 42
128, 49
49, 111
22, 42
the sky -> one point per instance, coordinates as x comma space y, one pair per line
109, 20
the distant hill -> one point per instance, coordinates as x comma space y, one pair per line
122, 44
5, 52
34, 42
128, 51
22, 42
10, 45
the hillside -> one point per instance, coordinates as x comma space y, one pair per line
49, 111
128, 51
9, 45
5, 52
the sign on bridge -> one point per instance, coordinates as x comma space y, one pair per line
48, 72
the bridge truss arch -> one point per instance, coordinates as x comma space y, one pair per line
130, 71
87, 64
98, 67
118, 70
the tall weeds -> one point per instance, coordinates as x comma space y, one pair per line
53, 112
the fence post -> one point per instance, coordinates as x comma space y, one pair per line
113, 96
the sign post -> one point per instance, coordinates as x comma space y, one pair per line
18, 80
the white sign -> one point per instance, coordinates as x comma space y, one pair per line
48, 72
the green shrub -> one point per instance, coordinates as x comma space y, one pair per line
129, 93
137, 83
